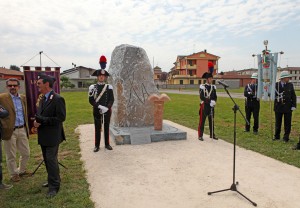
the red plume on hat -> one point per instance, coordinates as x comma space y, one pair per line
210, 67
102, 59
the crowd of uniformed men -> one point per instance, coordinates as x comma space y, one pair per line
284, 104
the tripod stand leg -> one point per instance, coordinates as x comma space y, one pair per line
62, 165
233, 188
254, 204
41, 164
37, 168
210, 193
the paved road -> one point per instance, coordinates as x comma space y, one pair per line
220, 94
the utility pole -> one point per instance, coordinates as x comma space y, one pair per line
41, 58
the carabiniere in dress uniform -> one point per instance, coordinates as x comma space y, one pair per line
101, 97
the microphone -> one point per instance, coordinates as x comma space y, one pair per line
223, 84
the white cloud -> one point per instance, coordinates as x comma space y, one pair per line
80, 31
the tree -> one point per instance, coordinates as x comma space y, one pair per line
163, 76
14, 67
65, 82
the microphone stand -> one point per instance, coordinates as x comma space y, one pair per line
234, 183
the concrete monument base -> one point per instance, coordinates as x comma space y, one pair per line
145, 135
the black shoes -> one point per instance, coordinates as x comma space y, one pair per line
255, 132
201, 138
96, 149
108, 147
297, 147
285, 140
51, 194
214, 137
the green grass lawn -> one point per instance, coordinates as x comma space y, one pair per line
182, 109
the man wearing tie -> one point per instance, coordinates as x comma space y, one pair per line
49, 120
252, 104
284, 104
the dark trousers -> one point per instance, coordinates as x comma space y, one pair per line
98, 121
287, 124
252, 109
1, 175
206, 111
51, 162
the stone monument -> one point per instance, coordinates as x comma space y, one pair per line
131, 76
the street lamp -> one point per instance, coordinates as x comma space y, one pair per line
253, 55
41, 58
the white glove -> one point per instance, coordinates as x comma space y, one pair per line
102, 108
293, 108
212, 103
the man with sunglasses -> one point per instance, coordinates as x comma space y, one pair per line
15, 131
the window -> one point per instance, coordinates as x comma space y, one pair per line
192, 82
79, 84
191, 62
199, 82
181, 81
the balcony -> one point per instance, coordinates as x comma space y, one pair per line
191, 66
183, 76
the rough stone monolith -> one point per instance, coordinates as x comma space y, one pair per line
131, 75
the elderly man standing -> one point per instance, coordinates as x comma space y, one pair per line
15, 130
49, 120
284, 104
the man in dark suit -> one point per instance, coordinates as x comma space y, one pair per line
101, 97
208, 97
252, 104
284, 104
49, 120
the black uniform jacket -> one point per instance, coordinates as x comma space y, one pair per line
51, 114
285, 97
107, 99
208, 93
250, 92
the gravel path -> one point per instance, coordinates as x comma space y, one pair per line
178, 174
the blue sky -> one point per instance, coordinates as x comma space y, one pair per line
82, 30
